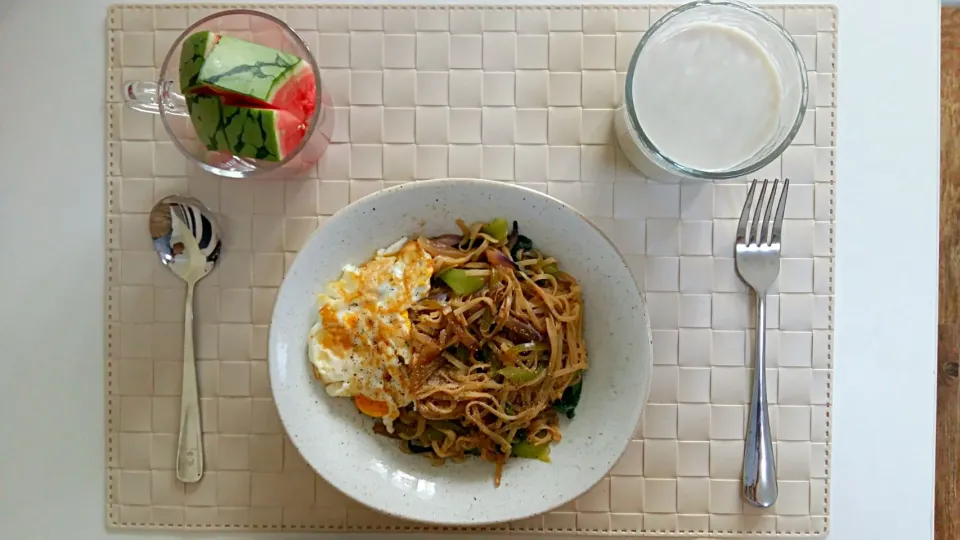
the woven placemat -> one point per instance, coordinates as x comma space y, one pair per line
526, 95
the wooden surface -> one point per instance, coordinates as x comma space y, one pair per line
947, 502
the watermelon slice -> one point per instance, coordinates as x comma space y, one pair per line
248, 132
244, 98
296, 91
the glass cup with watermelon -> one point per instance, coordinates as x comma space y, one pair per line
239, 93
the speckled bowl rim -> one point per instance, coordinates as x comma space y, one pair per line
637, 412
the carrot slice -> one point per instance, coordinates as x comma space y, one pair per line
370, 407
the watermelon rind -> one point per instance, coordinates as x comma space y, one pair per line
242, 131
193, 55
206, 114
249, 69
252, 133
291, 74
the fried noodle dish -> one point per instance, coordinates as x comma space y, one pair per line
460, 345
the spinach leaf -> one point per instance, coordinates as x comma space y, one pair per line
460, 352
485, 356
523, 244
570, 399
415, 447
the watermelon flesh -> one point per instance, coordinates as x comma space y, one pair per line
244, 98
296, 92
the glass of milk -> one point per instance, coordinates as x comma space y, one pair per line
716, 89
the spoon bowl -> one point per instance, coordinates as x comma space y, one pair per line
187, 238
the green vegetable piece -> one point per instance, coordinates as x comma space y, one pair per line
497, 229
472, 452
487, 321
432, 434
551, 269
524, 449
519, 375
570, 399
435, 430
462, 284
529, 347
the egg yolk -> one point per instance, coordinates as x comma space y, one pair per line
371, 407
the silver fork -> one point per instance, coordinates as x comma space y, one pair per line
758, 263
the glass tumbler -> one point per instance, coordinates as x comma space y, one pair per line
163, 97
715, 89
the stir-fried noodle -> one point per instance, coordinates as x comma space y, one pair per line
499, 350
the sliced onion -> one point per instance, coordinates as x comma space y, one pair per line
522, 329
421, 372
437, 249
427, 351
496, 258
449, 240
466, 339
439, 296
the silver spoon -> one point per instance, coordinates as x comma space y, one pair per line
186, 236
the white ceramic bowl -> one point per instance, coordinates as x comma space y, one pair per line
339, 443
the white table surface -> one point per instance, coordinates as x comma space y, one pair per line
52, 68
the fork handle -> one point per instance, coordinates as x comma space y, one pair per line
759, 465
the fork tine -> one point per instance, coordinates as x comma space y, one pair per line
755, 235
781, 208
765, 225
745, 215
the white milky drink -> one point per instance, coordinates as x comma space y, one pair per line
709, 98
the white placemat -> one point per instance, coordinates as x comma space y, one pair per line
518, 94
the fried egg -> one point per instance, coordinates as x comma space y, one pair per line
362, 335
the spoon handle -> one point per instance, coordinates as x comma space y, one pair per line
190, 444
